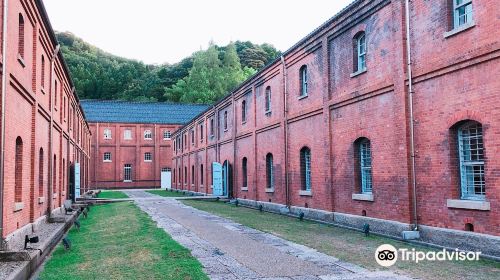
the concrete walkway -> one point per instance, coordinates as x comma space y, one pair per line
229, 250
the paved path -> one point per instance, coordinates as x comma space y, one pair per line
229, 250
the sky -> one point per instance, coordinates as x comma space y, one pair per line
165, 31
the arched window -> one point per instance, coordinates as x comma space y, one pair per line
365, 165
148, 135
54, 175
107, 133
18, 172
243, 111
269, 171
20, 39
303, 80
359, 52
471, 154
42, 72
244, 172
40, 172
268, 99
212, 127
305, 168
192, 174
201, 174
225, 120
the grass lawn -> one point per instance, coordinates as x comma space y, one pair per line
348, 245
166, 193
119, 241
112, 194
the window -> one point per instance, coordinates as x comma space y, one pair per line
43, 72
148, 135
174, 179
305, 168
360, 52
303, 80
462, 12
185, 175
127, 134
243, 111
107, 157
225, 120
201, 174
148, 157
192, 136
127, 173
269, 171
192, 174
201, 132
107, 133
18, 172
166, 169
20, 39
212, 127
268, 99
244, 172
166, 135
471, 152
365, 165
40, 172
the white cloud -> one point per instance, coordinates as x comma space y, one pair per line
158, 31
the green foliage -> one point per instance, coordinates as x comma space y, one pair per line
112, 194
100, 75
166, 193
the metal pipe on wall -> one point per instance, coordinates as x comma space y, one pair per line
2, 136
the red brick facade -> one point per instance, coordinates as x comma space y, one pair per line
44, 124
455, 80
110, 173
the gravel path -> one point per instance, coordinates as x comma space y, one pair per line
229, 250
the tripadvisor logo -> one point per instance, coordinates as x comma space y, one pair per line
387, 255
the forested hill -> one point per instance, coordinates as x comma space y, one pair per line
201, 78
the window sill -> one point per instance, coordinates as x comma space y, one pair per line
148, 139
269, 190
303, 97
468, 204
148, 161
362, 196
127, 181
244, 189
459, 29
106, 161
18, 206
243, 122
21, 60
225, 130
357, 73
305, 193
41, 200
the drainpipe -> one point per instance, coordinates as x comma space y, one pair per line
412, 119
2, 136
285, 130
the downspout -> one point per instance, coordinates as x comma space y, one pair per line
2, 140
51, 142
285, 130
412, 119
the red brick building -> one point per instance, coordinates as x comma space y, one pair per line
43, 129
131, 142
331, 127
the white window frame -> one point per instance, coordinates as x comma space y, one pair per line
361, 47
303, 81
306, 157
148, 157
148, 135
127, 134
472, 171
270, 172
268, 97
127, 173
365, 166
107, 134
167, 135
468, 14
107, 157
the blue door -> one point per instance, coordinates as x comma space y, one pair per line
217, 179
